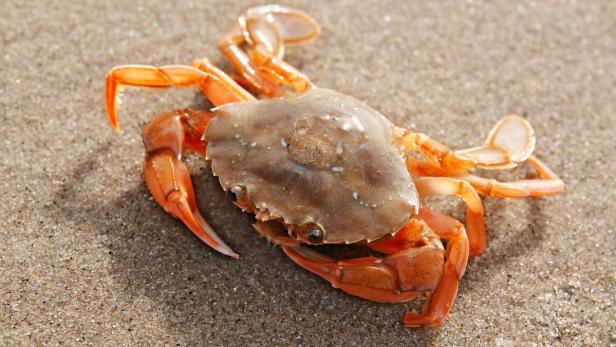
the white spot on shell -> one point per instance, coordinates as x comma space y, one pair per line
346, 126
339, 148
355, 195
253, 144
337, 169
358, 124
284, 142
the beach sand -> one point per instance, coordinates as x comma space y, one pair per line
87, 257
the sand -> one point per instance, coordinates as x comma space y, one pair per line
87, 257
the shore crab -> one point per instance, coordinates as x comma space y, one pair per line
319, 167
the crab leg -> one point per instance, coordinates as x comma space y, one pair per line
475, 226
168, 178
214, 83
440, 302
265, 30
415, 265
548, 184
510, 142
446, 162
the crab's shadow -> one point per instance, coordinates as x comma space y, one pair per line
207, 296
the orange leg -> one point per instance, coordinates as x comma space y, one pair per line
168, 178
263, 74
475, 226
547, 184
214, 83
510, 142
442, 160
440, 302
255, 47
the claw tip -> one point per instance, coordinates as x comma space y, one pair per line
234, 255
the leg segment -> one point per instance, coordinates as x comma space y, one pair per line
168, 178
218, 87
475, 227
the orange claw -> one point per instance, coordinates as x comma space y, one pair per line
415, 264
168, 178
368, 278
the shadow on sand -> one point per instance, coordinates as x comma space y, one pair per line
263, 297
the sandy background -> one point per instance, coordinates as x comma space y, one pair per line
86, 256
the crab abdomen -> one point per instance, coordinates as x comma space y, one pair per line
321, 157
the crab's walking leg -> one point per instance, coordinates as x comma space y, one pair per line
255, 47
214, 83
440, 302
415, 264
168, 178
547, 184
510, 142
442, 160
475, 226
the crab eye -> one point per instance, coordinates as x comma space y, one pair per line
314, 234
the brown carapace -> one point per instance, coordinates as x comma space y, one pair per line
319, 167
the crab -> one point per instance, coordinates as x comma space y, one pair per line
318, 167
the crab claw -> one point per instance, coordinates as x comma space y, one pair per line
313, 261
362, 277
370, 278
